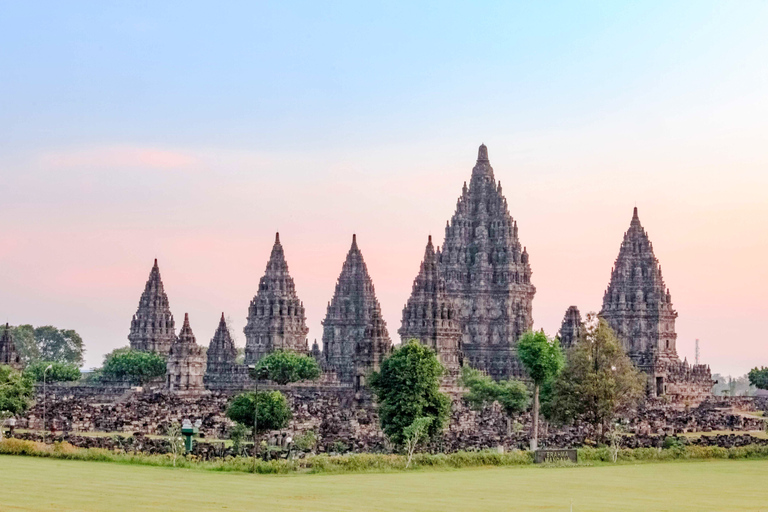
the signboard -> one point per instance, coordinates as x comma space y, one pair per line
542, 456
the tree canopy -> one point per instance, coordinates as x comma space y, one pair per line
48, 343
59, 372
599, 382
273, 410
137, 366
512, 395
758, 377
16, 391
284, 366
408, 387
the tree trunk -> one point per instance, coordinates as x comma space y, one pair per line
535, 426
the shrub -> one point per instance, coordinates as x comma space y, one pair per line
137, 366
284, 366
59, 372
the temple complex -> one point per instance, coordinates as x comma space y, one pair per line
487, 274
9, 356
355, 338
276, 319
638, 306
152, 327
572, 328
430, 317
186, 363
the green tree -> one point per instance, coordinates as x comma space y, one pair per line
59, 372
414, 434
599, 382
408, 387
283, 367
270, 409
543, 360
26, 345
758, 377
135, 365
60, 345
512, 395
16, 391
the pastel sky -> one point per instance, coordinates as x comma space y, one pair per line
192, 132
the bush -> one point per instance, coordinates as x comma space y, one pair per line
59, 372
283, 367
134, 365
273, 410
305, 442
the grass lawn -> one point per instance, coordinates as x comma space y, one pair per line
28, 483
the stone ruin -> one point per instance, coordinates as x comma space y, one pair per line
276, 319
9, 356
431, 318
355, 337
152, 327
186, 363
638, 306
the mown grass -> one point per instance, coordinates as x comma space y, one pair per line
34, 483
369, 462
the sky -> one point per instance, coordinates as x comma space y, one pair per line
192, 132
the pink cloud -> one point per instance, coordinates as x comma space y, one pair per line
120, 157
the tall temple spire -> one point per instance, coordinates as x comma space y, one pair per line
636, 303
355, 339
487, 274
152, 327
572, 328
222, 352
276, 317
186, 363
9, 356
430, 317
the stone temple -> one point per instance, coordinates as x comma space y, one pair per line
186, 363
355, 338
470, 302
430, 316
152, 327
9, 356
487, 274
638, 306
276, 319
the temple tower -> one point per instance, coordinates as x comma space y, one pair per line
637, 304
487, 274
152, 327
9, 356
355, 338
276, 319
186, 363
222, 353
572, 328
430, 317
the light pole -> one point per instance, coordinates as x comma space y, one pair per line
252, 371
44, 397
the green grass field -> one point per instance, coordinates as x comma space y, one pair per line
28, 483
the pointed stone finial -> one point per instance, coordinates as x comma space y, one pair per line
186, 321
482, 153
277, 237
155, 265
354, 241
222, 317
429, 240
634, 214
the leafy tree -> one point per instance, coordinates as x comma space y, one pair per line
26, 345
59, 372
135, 365
483, 391
414, 434
48, 343
60, 345
408, 387
599, 382
16, 391
269, 408
544, 360
758, 377
283, 367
